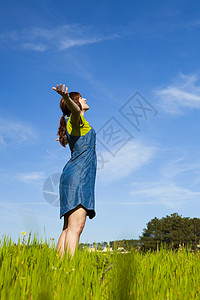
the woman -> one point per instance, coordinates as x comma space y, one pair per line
77, 181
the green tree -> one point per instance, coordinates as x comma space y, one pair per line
172, 231
195, 228
152, 236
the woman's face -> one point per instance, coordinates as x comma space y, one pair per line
83, 103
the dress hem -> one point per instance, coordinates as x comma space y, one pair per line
90, 212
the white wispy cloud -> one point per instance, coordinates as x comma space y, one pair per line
15, 133
181, 166
166, 190
174, 183
30, 177
184, 92
57, 38
163, 193
177, 184
131, 157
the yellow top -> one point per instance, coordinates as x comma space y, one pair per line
78, 130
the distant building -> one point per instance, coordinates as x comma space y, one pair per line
107, 249
91, 249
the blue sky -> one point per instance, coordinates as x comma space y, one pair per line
122, 56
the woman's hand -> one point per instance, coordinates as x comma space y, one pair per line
66, 142
61, 90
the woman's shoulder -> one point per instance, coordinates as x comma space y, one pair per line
76, 129
82, 121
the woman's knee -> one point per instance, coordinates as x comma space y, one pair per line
80, 227
76, 227
76, 220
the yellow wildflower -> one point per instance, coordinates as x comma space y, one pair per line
22, 262
24, 233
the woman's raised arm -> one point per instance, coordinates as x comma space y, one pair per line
61, 90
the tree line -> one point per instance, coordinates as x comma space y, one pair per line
171, 231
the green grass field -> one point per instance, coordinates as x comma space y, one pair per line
31, 269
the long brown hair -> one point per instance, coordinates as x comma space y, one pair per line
66, 112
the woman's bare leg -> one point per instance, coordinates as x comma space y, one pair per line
61, 243
73, 226
76, 223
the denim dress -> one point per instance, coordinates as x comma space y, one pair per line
77, 181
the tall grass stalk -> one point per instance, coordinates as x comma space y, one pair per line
32, 269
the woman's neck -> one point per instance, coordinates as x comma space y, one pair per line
82, 112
